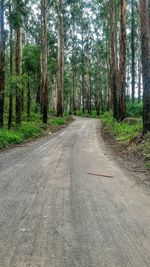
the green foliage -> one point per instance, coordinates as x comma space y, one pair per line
56, 121
29, 129
87, 115
31, 58
145, 148
18, 14
15, 84
16, 19
134, 110
16, 136
123, 132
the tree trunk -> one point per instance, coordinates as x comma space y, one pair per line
60, 66
18, 72
139, 80
11, 71
44, 59
97, 92
74, 89
83, 76
122, 63
29, 98
145, 45
149, 14
133, 50
2, 59
113, 66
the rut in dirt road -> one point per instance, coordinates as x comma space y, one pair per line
65, 203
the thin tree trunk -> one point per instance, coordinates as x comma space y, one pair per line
29, 98
83, 76
60, 71
44, 59
18, 72
122, 63
10, 114
113, 66
2, 61
133, 50
145, 45
11, 70
149, 14
74, 90
139, 80
97, 93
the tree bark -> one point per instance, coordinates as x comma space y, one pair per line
18, 72
2, 62
133, 50
122, 63
74, 89
29, 98
97, 91
145, 45
11, 70
139, 79
60, 64
113, 66
83, 75
44, 59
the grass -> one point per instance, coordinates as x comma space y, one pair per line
30, 129
130, 136
123, 132
17, 135
87, 115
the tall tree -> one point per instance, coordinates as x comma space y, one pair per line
2, 59
60, 62
122, 64
11, 66
17, 20
133, 49
44, 54
114, 88
145, 45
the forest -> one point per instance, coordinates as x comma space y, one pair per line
74, 133
68, 57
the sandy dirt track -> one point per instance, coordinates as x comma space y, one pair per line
64, 202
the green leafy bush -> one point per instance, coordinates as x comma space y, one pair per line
16, 136
121, 130
134, 110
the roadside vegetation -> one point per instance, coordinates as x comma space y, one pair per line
128, 134
31, 130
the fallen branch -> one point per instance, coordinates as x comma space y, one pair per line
101, 175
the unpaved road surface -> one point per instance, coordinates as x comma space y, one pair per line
64, 202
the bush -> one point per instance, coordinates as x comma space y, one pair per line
9, 137
134, 110
17, 135
123, 132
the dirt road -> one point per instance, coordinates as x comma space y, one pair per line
64, 202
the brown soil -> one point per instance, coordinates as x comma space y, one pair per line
129, 156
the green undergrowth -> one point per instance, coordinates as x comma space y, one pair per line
87, 115
145, 148
123, 131
130, 136
30, 129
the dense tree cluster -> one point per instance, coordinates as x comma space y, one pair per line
59, 55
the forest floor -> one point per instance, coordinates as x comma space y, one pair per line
128, 144
129, 157
66, 201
